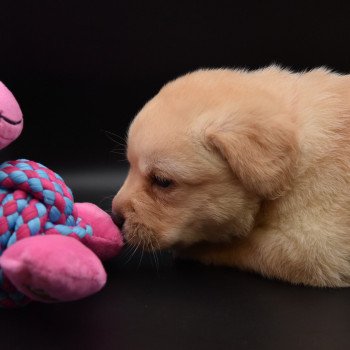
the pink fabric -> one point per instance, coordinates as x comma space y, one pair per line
53, 268
10, 109
107, 240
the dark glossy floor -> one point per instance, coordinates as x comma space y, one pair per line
181, 305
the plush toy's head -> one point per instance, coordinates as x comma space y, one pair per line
11, 118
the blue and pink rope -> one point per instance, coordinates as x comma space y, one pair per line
33, 201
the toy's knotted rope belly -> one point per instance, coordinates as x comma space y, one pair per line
33, 201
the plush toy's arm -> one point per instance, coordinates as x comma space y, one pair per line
107, 240
53, 268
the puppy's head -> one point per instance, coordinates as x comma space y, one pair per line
203, 155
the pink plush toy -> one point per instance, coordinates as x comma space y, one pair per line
50, 248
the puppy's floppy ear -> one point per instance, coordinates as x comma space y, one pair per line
262, 152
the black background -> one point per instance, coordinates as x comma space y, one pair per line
81, 68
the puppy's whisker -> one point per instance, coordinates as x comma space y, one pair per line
143, 249
121, 160
120, 148
118, 151
158, 245
104, 199
133, 253
125, 252
109, 197
155, 258
128, 248
120, 154
122, 138
118, 144
112, 136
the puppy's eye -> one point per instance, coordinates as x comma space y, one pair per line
161, 181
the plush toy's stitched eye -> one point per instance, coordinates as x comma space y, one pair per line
9, 121
161, 181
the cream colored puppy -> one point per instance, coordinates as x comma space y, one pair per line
245, 169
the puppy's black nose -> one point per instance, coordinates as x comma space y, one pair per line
118, 219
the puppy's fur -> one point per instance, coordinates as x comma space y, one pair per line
245, 169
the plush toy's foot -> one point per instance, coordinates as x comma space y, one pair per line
107, 240
53, 268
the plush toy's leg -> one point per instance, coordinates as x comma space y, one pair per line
107, 240
53, 268
10, 297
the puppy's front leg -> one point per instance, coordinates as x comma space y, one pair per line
235, 254
270, 255
241, 253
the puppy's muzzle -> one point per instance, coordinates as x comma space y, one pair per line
118, 219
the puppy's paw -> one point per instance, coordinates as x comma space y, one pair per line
203, 253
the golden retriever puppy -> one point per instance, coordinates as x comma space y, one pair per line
249, 169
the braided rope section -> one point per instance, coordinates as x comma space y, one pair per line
33, 201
